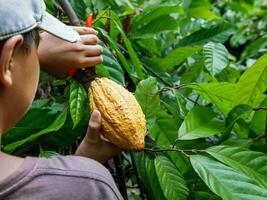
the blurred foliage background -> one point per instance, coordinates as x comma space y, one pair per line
199, 71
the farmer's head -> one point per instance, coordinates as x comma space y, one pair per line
19, 64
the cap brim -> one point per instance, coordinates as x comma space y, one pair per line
57, 28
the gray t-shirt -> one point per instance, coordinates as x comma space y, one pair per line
60, 178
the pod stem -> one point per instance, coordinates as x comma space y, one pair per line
89, 73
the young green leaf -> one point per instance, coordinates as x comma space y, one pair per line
147, 95
220, 94
78, 101
110, 67
170, 179
200, 122
215, 57
252, 84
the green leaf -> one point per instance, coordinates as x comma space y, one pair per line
165, 130
252, 84
202, 12
251, 163
220, 94
233, 116
133, 55
259, 119
79, 8
200, 122
215, 57
130, 70
154, 180
148, 97
218, 33
110, 67
226, 182
254, 47
146, 168
48, 154
201, 9
56, 125
176, 57
170, 179
155, 19
78, 101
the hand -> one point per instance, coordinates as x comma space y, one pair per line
57, 56
93, 145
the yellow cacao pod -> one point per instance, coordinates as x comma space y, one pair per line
122, 119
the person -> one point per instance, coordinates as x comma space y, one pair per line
78, 177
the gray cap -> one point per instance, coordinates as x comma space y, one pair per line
21, 16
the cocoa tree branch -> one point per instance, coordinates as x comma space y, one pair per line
66, 6
259, 108
138, 178
174, 150
120, 176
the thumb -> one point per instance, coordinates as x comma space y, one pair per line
93, 131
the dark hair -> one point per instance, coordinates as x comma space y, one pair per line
29, 38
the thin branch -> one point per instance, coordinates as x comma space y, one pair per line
100, 16
259, 108
66, 6
174, 150
196, 102
120, 176
138, 178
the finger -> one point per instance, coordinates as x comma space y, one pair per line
93, 132
92, 61
89, 39
85, 30
92, 50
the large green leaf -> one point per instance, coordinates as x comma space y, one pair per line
215, 57
170, 179
165, 130
220, 94
251, 163
132, 53
78, 101
148, 97
110, 67
155, 19
200, 122
226, 182
218, 33
154, 180
252, 84
176, 57
130, 70
56, 125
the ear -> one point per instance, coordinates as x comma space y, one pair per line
8, 52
